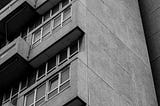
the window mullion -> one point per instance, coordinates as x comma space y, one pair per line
61, 18
47, 90
41, 36
35, 93
59, 81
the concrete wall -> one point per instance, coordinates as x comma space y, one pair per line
151, 21
115, 62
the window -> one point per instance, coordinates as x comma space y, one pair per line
37, 36
55, 9
64, 3
63, 55
53, 86
46, 29
31, 79
46, 15
74, 48
41, 71
52, 63
36, 97
49, 88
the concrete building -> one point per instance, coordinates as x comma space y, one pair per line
151, 17
74, 53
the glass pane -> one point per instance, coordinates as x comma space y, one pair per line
31, 27
65, 2
53, 83
41, 70
23, 83
67, 13
15, 89
55, 9
46, 15
63, 55
51, 94
30, 98
46, 28
40, 91
31, 78
14, 101
57, 20
73, 47
66, 84
51, 63
38, 22
37, 35
65, 74
38, 103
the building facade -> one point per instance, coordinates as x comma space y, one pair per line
150, 14
74, 53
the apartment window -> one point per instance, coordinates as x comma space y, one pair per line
23, 84
64, 3
36, 97
46, 16
63, 55
12, 95
31, 79
55, 9
46, 29
52, 64
49, 88
41, 71
53, 86
74, 48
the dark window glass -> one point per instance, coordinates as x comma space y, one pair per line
73, 48
63, 55
31, 78
46, 15
38, 22
41, 70
55, 9
51, 63
24, 83
64, 2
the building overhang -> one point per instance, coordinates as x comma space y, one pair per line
16, 20
13, 62
55, 46
3, 3
76, 102
48, 4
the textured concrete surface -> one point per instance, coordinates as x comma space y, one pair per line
151, 18
118, 68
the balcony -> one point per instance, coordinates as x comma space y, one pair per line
13, 61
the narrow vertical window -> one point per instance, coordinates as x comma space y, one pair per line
30, 99
64, 81
57, 22
31, 79
37, 36
41, 71
55, 9
73, 48
40, 95
63, 55
53, 86
66, 15
65, 2
46, 15
51, 64
46, 29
